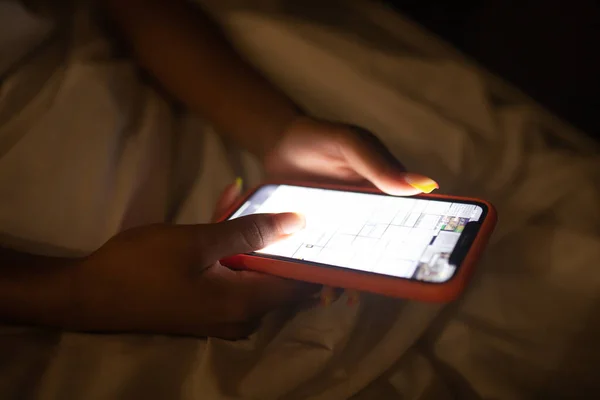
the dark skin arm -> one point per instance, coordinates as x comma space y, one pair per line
185, 51
158, 279
33, 289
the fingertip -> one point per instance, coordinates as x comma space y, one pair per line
327, 296
291, 222
421, 182
400, 189
353, 297
407, 184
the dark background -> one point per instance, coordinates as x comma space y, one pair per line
550, 49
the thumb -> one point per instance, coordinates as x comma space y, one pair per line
250, 233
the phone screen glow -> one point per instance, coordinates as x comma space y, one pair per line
396, 236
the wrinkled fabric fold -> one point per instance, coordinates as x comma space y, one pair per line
524, 328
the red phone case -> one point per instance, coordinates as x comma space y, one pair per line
366, 281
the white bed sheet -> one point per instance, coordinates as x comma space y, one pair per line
527, 326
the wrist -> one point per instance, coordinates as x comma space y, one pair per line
36, 290
270, 139
271, 146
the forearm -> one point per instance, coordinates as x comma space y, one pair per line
34, 289
185, 51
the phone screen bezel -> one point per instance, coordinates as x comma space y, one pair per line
464, 243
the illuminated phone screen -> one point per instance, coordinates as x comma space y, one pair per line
403, 237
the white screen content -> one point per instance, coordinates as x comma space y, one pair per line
396, 236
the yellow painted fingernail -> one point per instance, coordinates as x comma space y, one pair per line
239, 183
422, 183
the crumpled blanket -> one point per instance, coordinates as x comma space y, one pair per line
526, 327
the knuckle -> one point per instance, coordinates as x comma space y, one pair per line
199, 245
349, 139
254, 233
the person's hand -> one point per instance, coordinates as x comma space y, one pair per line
323, 151
167, 279
316, 150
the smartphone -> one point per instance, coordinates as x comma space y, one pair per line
422, 247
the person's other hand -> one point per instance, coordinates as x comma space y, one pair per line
318, 150
167, 279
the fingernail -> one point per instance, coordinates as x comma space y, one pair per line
327, 294
291, 223
239, 183
420, 182
353, 297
